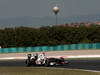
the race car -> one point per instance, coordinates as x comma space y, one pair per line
41, 59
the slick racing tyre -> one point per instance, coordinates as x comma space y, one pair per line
51, 62
28, 63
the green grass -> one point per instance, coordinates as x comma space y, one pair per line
42, 71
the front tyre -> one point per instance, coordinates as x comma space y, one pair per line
50, 62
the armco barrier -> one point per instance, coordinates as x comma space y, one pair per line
51, 48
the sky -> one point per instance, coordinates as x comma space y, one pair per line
43, 8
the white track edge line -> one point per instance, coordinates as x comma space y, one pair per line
72, 56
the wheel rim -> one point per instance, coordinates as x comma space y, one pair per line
52, 63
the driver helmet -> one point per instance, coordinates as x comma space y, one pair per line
61, 57
43, 53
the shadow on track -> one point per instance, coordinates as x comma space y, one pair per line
73, 64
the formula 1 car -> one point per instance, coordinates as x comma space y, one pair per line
43, 60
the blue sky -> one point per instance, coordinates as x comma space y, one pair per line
43, 8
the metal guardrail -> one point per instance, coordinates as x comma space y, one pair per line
51, 48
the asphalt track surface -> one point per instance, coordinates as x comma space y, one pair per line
73, 64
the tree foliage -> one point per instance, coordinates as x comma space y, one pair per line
43, 36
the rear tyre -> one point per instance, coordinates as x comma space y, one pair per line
28, 63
